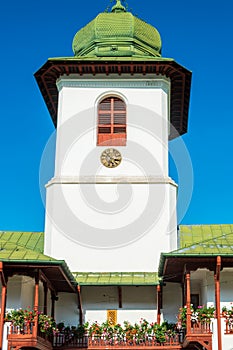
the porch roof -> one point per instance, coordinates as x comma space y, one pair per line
190, 235
199, 247
22, 254
117, 278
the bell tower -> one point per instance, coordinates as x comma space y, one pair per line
111, 205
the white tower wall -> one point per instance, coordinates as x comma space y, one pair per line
121, 219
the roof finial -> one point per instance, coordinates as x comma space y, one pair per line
118, 7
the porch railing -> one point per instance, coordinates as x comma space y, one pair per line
229, 327
201, 328
69, 340
29, 328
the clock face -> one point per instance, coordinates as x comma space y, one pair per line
110, 158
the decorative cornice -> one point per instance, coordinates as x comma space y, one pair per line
69, 180
159, 83
180, 78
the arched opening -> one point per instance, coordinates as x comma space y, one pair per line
111, 122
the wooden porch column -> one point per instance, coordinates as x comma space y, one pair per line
188, 302
53, 299
80, 305
36, 303
217, 301
158, 288
3, 303
45, 298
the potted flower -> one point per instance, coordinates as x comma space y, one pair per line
228, 315
46, 324
205, 314
21, 318
24, 319
202, 314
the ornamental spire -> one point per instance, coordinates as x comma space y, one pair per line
118, 7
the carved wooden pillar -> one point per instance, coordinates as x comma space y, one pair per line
3, 303
188, 302
158, 288
217, 301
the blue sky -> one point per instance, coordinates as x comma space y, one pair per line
197, 34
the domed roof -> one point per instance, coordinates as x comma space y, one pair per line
117, 34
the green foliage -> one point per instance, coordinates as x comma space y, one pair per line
228, 315
137, 333
46, 324
205, 314
26, 317
21, 317
202, 314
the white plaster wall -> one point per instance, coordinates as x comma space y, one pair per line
132, 316
133, 297
137, 302
172, 301
131, 211
5, 332
109, 227
226, 285
227, 339
66, 309
147, 128
139, 297
20, 292
99, 297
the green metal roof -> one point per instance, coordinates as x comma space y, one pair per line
201, 241
206, 239
26, 249
31, 240
22, 246
117, 278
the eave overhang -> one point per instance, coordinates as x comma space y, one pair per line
180, 78
56, 272
173, 266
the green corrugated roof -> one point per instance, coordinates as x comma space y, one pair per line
116, 278
22, 246
206, 239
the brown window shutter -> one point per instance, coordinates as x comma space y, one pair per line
111, 122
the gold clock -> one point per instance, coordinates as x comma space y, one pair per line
110, 158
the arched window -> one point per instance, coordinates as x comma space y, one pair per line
111, 122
